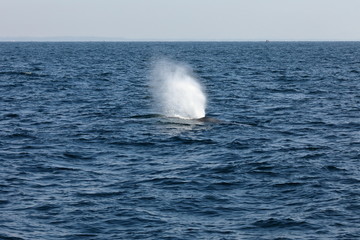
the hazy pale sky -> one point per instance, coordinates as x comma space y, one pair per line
181, 19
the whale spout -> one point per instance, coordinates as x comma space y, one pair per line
176, 91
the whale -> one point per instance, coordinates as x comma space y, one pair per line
209, 120
205, 119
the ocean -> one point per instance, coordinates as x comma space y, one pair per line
87, 150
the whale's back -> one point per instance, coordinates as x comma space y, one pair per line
209, 119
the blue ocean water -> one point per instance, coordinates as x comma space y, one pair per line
83, 155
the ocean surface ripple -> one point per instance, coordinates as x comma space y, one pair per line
84, 156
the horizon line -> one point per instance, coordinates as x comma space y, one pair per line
119, 39
169, 41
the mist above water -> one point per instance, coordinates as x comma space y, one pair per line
176, 91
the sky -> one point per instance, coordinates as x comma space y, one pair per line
180, 20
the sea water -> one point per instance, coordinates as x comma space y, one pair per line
90, 148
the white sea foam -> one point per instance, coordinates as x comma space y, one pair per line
176, 91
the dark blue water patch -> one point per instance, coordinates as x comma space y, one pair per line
29, 74
84, 155
6, 237
281, 223
11, 115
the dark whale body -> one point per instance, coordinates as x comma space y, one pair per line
209, 119
203, 119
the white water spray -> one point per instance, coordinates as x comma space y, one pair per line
177, 93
